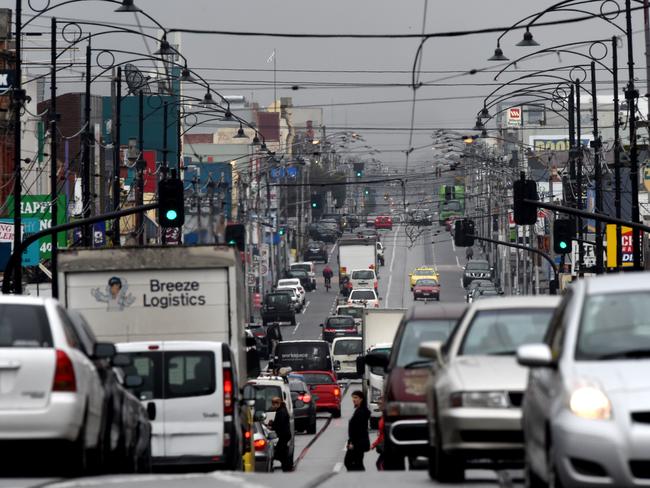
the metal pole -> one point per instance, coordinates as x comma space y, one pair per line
581, 250
117, 155
631, 95
598, 174
140, 167
617, 151
17, 106
85, 182
572, 134
54, 159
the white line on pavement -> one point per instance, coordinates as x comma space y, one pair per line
392, 263
453, 246
457, 262
296, 328
337, 467
304, 309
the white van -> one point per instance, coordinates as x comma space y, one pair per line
364, 278
345, 351
190, 392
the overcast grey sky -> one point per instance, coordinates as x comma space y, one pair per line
227, 61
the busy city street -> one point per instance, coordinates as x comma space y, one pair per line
299, 244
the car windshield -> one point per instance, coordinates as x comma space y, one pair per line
339, 323
364, 274
362, 295
417, 331
426, 283
295, 282
299, 273
277, 299
301, 267
302, 356
614, 326
343, 347
263, 395
501, 332
423, 272
478, 265
318, 379
24, 326
355, 312
286, 289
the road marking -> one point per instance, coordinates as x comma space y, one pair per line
313, 440
304, 309
453, 246
458, 262
331, 252
392, 263
337, 467
295, 328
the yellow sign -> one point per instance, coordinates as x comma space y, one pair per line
627, 255
646, 177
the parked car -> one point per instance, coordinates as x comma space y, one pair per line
483, 293
338, 326
384, 222
585, 410
364, 296
345, 351
406, 433
261, 338
476, 269
316, 251
323, 386
278, 307
263, 389
293, 295
364, 278
126, 434
476, 393
305, 279
294, 282
426, 289
309, 267
50, 388
304, 404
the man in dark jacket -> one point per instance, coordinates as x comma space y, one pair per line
358, 439
282, 427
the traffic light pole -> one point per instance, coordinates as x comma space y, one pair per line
16, 255
553, 287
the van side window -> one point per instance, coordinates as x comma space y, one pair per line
189, 374
147, 366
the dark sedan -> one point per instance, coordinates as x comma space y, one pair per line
316, 251
304, 404
338, 326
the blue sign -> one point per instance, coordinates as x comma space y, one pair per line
99, 234
292, 171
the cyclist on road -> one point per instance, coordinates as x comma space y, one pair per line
327, 274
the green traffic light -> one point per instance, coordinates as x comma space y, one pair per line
171, 214
359, 174
232, 242
563, 245
313, 205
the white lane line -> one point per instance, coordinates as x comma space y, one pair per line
337, 467
392, 263
295, 328
453, 246
458, 262
304, 309
332, 252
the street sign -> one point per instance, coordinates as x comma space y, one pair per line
251, 279
6, 79
627, 252
264, 269
514, 116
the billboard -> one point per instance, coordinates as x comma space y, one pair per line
627, 255
514, 116
545, 142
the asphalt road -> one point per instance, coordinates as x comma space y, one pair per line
319, 458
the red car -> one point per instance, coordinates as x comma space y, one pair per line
325, 389
384, 222
426, 289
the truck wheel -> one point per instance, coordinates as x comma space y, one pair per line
336, 414
311, 428
393, 459
448, 468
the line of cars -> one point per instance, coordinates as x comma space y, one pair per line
66, 397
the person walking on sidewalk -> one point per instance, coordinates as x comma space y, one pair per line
378, 445
469, 253
358, 439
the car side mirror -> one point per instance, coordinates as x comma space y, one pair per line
121, 360
151, 410
376, 360
259, 416
104, 350
535, 356
133, 381
271, 435
337, 365
431, 350
322, 325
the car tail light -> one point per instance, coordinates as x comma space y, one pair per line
376, 305
227, 392
259, 444
376, 284
64, 378
329, 330
259, 334
305, 398
247, 434
351, 330
337, 392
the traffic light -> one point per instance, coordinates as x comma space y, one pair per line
314, 204
464, 233
525, 213
171, 205
563, 232
367, 192
359, 174
281, 231
358, 169
236, 236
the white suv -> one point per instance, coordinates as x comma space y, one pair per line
49, 389
263, 389
294, 283
364, 296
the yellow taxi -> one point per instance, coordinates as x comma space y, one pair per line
423, 272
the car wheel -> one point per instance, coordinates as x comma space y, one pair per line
393, 459
311, 428
531, 480
554, 480
74, 456
293, 320
336, 413
449, 468
431, 465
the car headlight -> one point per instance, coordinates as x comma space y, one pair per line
589, 402
406, 409
479, 399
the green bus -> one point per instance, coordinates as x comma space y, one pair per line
452, 202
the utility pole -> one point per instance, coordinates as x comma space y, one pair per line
54, 159
581, 235
117, 154
87, 136
140, 166
598, 175
617, 152
17, 99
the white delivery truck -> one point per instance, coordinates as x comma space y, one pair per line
379, 328
179, 313
353, 254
